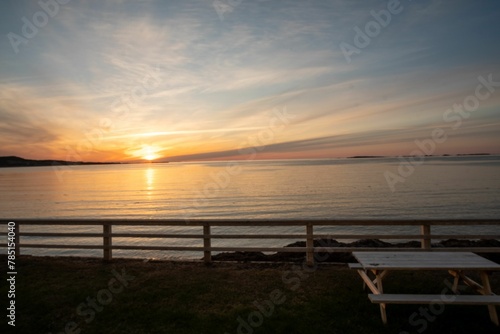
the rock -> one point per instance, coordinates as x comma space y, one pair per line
346, 257
370, 243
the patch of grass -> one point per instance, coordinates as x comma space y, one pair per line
180, 297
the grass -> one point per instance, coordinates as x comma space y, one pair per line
180, 297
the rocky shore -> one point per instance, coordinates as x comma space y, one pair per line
346, 257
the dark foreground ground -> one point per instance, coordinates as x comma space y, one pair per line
79, 295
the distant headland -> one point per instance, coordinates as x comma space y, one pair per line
13, 161
408, 156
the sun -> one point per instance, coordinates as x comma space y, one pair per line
149, 153
150, 157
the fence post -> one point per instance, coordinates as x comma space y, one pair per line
107, 242
207, 243
309, 245
425, 231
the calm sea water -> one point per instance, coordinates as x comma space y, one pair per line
447, 187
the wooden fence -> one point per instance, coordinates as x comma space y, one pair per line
425, 236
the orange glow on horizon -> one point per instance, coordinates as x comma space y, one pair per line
150, 154
147, 152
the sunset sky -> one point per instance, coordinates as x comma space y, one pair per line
203, 79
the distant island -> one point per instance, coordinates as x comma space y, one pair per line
408, 156
366, 157
13, 161
461, 155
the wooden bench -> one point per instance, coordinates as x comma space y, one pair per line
355, 266
387, 298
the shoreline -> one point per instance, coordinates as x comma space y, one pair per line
346, 257
16, 161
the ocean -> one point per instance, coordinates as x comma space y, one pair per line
355, 188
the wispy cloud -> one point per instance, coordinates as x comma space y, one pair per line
217, 82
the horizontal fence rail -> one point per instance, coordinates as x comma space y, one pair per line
424, 237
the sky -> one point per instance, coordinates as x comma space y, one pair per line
248, 79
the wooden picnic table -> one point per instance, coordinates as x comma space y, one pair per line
381, 263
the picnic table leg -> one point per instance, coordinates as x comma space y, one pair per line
371, 284
456, 280
487, 291
364, 283
378, 278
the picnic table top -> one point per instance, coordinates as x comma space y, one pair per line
424, 261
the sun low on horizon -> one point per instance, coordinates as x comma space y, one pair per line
188, 80
147, 152
150, 155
